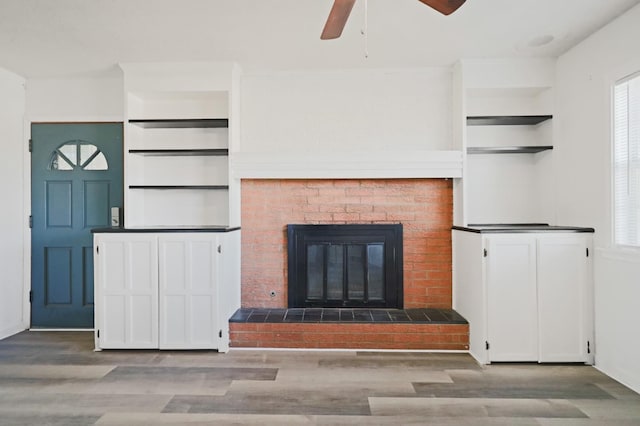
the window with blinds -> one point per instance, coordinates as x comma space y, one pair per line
626, 158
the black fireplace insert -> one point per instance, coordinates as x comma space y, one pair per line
345, 266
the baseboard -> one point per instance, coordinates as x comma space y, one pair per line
618, 376
10, 331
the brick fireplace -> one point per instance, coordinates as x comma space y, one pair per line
424, 207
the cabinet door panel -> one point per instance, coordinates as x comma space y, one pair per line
175, 319
511, 298
144, 323
188, 303
204, 309
127, 291
114, 324
562, 298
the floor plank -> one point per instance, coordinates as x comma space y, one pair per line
55, 378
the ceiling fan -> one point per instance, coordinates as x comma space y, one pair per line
342, 8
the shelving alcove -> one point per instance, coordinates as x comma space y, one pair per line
178, 158
508, 156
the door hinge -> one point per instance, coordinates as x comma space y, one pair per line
587, 251
98, 333
486, 345
98, 249
588, 347
30, 145
30, 296
486, 253
30, 221
219, 248
220, 334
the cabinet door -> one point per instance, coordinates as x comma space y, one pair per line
188, 301
511, 298
563, 297
126, 283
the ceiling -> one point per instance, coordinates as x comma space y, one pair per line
45, 38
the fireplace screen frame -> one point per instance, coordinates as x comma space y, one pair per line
300, 237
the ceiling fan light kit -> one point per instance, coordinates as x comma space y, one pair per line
341, 10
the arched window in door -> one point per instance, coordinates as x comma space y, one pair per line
78, 155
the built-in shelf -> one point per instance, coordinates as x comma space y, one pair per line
507, 120
209, 187
180, 152
508, 149
182, 123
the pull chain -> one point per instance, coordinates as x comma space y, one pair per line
365, 30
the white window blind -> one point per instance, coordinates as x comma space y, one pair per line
626, 157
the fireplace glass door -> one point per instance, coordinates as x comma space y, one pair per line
345, 265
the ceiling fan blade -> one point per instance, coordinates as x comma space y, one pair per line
337, 19
446, 7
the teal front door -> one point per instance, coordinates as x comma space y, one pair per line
76, 178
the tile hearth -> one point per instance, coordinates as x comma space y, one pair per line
333, 328
333, 315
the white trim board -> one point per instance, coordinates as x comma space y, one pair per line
347, 165
419, 351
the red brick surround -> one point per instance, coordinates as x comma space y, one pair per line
423, 206
351, 336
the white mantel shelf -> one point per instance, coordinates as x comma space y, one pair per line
347, 165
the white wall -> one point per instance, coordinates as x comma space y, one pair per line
13, 223
370, 110
582, 152
76, 99
372, 123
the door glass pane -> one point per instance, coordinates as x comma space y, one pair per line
355, 271
99, 162
335, 272
315, 271
375, 270
70, 151
58, 162
66, 157
86, 151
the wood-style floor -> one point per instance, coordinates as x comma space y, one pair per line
55, 378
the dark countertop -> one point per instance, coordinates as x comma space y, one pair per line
160, 229
516, 228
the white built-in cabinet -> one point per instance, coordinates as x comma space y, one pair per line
170, 278
527, 296
526, 289
167, 290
